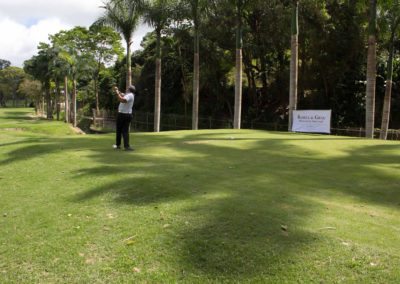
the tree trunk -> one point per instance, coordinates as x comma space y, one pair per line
238, 90
49, 111
157, 91
43, 100
74, 102
239, 69
96, 91
67, 114
196, 81
371, 74
58, 100
37, 106
388, 92
294, 59
157, 99
128, 64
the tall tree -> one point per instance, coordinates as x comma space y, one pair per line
32, 89
124, 16
239, 65
75, 52
58, 70
11, 77
294, 62
39, 67
392, 19
371, 72
196, 63
105, 46
195, 10
157, 13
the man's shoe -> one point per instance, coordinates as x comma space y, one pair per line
129, 149
116, 147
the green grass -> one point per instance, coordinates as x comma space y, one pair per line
212, 206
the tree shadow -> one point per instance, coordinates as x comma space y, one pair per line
264, 188
252, 197
18, 115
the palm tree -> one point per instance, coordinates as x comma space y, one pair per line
157, 14
196, 64
239, 65
193, 11
58, 70
371, 73
394, 22
294, 62
67, 101
124, 16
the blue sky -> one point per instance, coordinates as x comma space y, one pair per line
31, 22
25, 23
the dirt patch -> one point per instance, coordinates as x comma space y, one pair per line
77, 130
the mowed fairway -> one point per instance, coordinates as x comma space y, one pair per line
209, 206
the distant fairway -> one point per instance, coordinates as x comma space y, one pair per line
205, 206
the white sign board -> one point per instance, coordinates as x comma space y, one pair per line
315, 121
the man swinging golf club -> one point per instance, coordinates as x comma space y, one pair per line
124, 116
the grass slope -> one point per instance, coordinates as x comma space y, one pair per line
195, 207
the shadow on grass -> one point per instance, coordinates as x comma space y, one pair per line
250, 197
246, 196
22, 114
20, 142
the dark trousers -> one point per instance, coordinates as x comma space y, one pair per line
123, 122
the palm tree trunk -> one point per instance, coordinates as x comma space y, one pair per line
96, 85
96, 91
388, 92
238, 90
66, 99
196, 81
58, 99
43, 108
74, 102
157, 91
294, 64
128, 63
371, 74
239, 69
49, 111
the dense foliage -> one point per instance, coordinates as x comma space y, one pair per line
333, 37
332, 67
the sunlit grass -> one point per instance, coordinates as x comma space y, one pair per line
195, 207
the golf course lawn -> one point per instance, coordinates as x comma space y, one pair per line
207, 206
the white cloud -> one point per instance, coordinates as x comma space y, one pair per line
19, 42
25, 23
71, 12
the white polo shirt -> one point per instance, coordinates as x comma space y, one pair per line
127, 107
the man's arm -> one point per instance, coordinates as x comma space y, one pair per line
120, 96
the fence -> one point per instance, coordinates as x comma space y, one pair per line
104, 121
